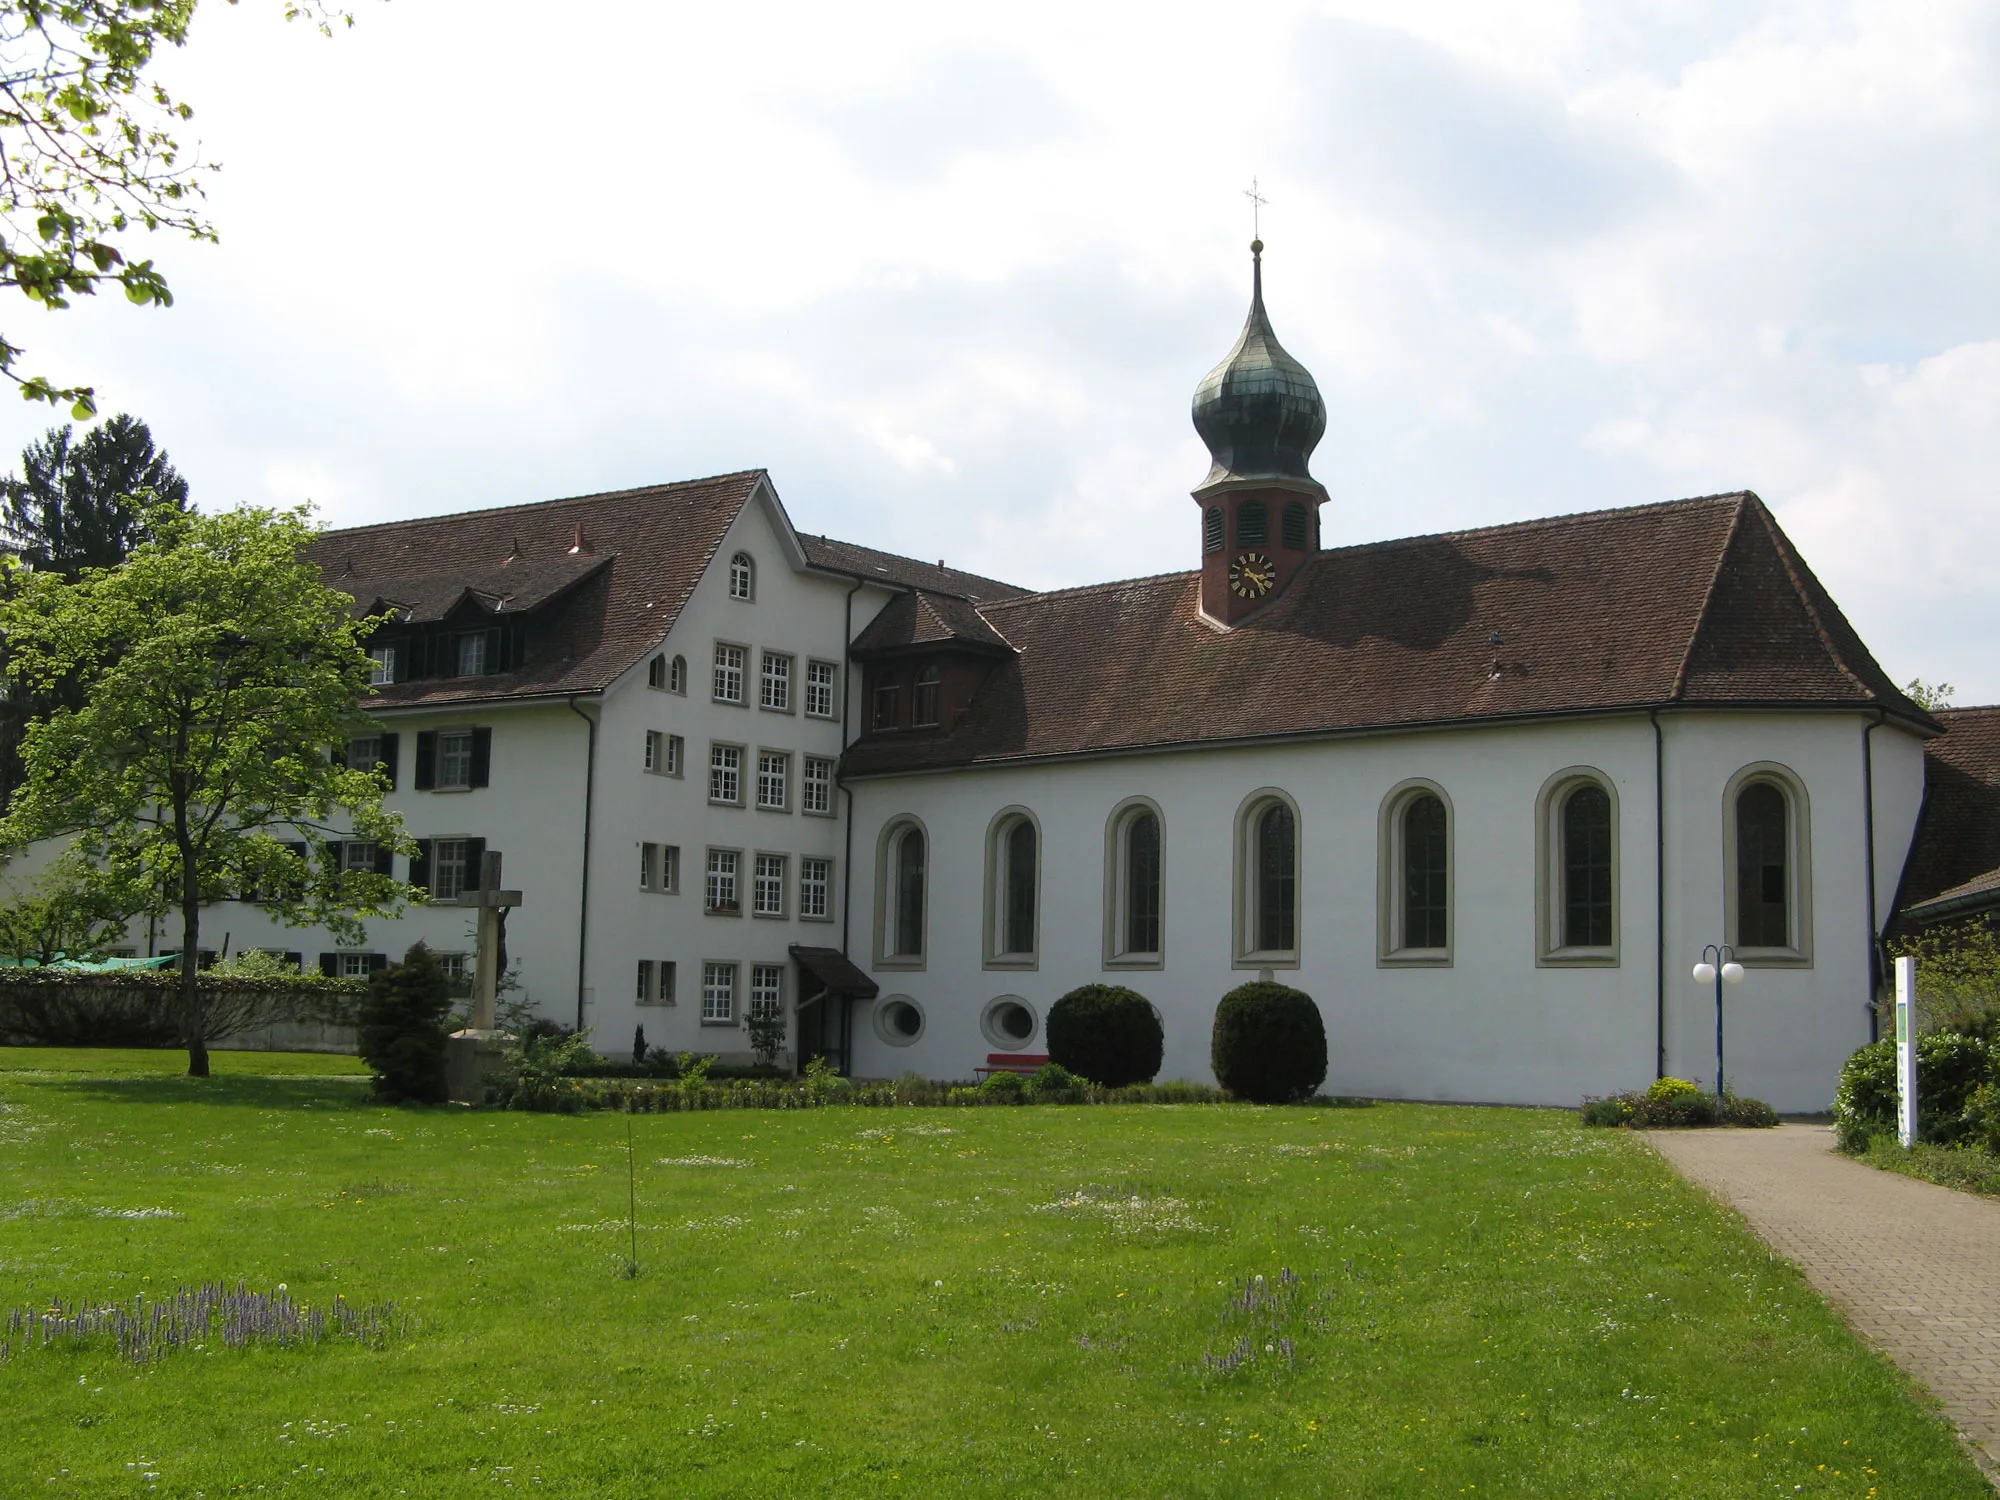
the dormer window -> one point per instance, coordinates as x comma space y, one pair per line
381, 666
924, 702
886, 705
742, 576
472, 654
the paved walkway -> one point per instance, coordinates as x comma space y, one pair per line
1913, 1267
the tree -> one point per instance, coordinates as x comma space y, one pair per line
402, 1035
1929, 696
59, 915
221, 671
87, 154
80, 504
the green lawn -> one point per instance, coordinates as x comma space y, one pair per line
919, 1302
133, 1062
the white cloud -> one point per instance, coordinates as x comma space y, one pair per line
952, 273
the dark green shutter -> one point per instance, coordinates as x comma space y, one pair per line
482, 755
427, 755
385, 860
387, 764
329, 965
377, 962
475, 857
420, 865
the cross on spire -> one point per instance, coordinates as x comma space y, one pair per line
1257, 202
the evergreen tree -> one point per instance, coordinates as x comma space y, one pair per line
82, 502
402, 1035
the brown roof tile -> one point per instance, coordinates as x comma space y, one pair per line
886, 567
1958, 841
1695, 601
920, 619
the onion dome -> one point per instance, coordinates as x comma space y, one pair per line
1259, 411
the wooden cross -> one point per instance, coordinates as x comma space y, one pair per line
493, 904
1257, 202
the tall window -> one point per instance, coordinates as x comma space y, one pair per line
767, 989
767, 894
1012, 862
659, 867
819, 689
924, 702
815, 885
1211, 529
903, 906
677, 675
817, 796
1298, 526
676, 754
1271, 886
454, 759
1763, 867
774, 688
774, 776
1586, 868
1425, 884
886, 705
381, 666
447, 869
725, 774
718, 993
656, 673
472, 654
728, 673
1136, 908
656, 751
722, 880
1253, 523
742, 575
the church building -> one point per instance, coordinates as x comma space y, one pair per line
1485, 796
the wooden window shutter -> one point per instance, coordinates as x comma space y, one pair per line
482, 755
475, 857
427, 756
329, 965
420, 865
296, 960
377, 962
385, 860
387, 762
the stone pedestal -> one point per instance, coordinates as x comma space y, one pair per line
470, 1058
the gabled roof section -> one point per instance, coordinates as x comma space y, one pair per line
903, 572
1694, 602
919, 619
1957, 849
610, 572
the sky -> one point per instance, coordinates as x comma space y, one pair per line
952, 273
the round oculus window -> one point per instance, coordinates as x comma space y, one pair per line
1009, 1022
899, 1020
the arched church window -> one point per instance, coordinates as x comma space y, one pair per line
1253, 524
1133, 921
1763, 867
904, 879
1585, 823
1211, 529
1267, 873
1425, 884
924, 702
742, 576
1013, 887
1298, 526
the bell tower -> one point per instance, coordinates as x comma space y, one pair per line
1261, 416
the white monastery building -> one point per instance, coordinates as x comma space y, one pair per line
1484, 796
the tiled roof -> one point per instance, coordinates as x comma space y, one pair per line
907, 572
1692, 602
1958, 843
652, 546
923, 619
511, 588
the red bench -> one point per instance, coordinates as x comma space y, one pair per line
1012, 1062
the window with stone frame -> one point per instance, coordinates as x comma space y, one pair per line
816, 795
767, 989
725, 774
767, 893
774, 779
728, 685
722, 871
774, 682
718, 993
820, 680
815, 888
742, 576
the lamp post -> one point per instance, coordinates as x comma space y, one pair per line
1718, 967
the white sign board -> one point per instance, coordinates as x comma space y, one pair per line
1906, 1051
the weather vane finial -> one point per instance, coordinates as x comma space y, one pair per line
1257, 202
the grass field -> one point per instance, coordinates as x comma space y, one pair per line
916, 1302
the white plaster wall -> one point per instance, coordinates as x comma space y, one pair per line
531, 812
801, 614
1493, 1026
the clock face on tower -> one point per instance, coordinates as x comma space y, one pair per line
1251, 575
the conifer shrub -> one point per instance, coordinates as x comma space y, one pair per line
1269, 1043
1107, 1034
402, 1028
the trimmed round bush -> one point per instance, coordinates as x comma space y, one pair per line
402, 1028
1005, 1087
1052, 1083
1107, 1034
1269, 1043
